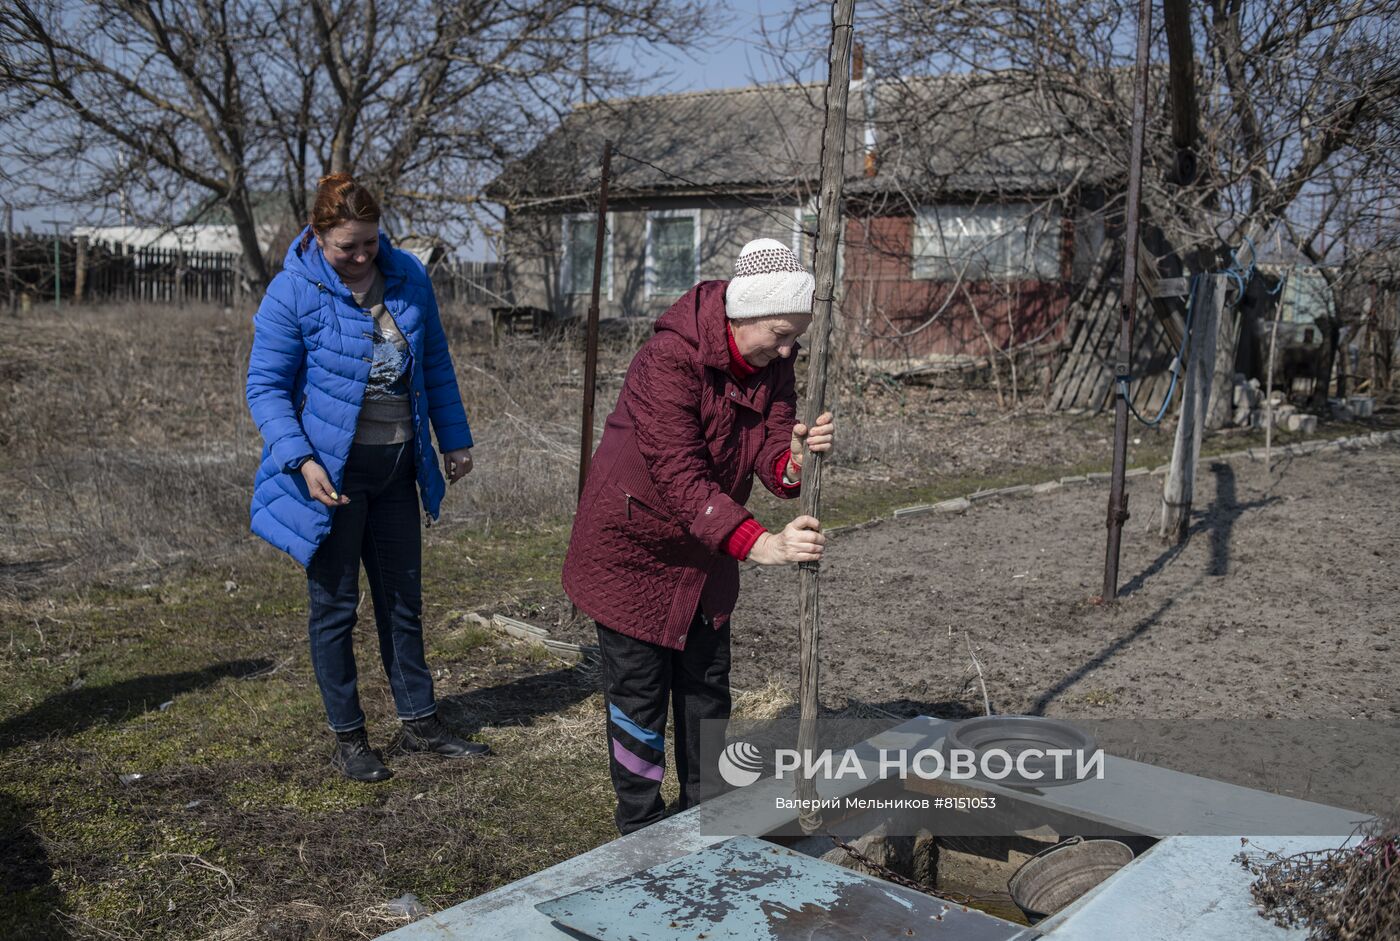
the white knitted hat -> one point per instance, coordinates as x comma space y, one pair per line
768, 280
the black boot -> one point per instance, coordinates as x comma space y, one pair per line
430, 734
354, 758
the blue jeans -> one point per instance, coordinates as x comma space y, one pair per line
380, 527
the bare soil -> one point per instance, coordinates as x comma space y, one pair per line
1283, 602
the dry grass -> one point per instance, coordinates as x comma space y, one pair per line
127, 446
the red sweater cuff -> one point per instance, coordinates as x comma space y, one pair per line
781, 472
742, 540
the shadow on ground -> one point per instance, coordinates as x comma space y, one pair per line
30, 903
74, 710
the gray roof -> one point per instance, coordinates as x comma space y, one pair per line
993, 133
997, 132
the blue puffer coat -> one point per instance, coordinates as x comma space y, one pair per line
312, 351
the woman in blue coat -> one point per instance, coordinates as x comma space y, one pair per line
349, 368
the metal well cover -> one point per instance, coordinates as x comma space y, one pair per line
744, 889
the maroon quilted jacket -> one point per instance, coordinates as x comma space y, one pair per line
668, 482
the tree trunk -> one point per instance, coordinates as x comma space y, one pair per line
254, 264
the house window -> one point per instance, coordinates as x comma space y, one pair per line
580, 234
804, 240
673, 251
987, 242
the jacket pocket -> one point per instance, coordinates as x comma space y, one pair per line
634, 508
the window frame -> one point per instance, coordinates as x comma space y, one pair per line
650, 289
927, 227
566, 271
800, 213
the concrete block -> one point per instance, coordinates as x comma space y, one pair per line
1304, 424
999, 492
913, 510
1050, 486
1098, 478
1136, 472
955, 505
1073, 480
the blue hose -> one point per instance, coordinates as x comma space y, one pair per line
1241, 275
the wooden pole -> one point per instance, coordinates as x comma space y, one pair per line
1269, 385
1179, 488
10, 259
80, 271
1227, 342
57, 271
1122, 370
828, 244
590, 354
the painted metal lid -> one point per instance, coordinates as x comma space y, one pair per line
744, 889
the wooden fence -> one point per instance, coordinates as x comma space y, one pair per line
464, 283
43, 269
76, 270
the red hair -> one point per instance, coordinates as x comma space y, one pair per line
339, 198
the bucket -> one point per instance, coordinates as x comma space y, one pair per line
1055, 877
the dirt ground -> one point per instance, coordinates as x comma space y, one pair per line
1283, 603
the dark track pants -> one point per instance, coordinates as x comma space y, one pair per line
640, 679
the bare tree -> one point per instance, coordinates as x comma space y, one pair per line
136, 96
220, 102
1296, 108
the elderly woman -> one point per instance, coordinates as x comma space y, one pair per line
654, 557
349, 368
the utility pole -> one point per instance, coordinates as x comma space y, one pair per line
838, 86
1122, 370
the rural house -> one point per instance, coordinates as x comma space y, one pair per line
971, 209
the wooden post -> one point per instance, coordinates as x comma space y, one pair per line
828, 244
57, 271
1269, 400
1269, 383
10, 260
80, 269
1179, 488
1227, 341
590, 354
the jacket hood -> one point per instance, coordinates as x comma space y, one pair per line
699, 317
309, 263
